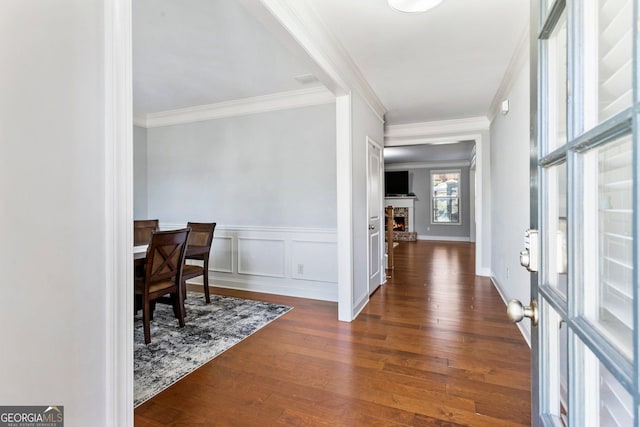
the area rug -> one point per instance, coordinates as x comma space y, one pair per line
209, 330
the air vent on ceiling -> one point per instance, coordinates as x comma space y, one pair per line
306, 79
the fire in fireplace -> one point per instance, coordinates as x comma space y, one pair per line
399, 223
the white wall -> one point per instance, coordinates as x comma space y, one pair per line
364, 123
510, 195
269, 182
140, 173
52, 219
273, 169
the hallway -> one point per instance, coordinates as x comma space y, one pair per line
433, 347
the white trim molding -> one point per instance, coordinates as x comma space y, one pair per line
337, 70
444, 238
240, 107
526, 334
434, 132
427, 165
344, 181
118, 191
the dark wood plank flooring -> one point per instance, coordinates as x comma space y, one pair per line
432, 348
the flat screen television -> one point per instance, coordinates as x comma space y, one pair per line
396, 183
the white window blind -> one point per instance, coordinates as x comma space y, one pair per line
615, 197
615, 40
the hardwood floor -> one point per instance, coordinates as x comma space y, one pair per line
433, 347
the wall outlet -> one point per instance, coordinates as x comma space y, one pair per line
300, 268
507, 273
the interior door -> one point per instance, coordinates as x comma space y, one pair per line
583, 251
374, 203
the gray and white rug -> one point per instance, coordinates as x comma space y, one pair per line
209, 330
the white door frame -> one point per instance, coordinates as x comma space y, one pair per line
118, 189
422, 135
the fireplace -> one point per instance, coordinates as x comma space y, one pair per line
403, 222
400, 219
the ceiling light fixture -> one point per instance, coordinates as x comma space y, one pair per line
413, 6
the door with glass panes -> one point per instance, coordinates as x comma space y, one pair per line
582, 249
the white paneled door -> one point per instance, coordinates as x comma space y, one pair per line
375, 209
584, 198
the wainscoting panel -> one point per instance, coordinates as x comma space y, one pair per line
222, 255
314, 260
261, 257
299, 262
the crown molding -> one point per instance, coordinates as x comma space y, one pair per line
303, 23
427, 165
518, 59
435, 132
240, 107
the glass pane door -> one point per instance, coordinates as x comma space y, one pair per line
587, 195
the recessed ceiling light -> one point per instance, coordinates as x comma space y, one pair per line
413, 6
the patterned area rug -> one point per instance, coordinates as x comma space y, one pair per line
209, 330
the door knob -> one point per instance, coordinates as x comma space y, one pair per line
372, 227
516, 311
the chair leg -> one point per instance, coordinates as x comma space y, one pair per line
205, 279
178, 304
152, 306
146, 320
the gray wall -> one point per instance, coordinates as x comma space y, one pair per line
268, 169
419, 184
139, 173
52, 221
510, 196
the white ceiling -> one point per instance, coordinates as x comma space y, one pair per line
444, 64
188, 53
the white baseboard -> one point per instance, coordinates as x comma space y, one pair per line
524, 332
291, 288
484, 272
444, 238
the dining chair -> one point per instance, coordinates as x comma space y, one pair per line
163, 275
199, 249
142, 229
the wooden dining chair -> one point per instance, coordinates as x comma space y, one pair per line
163, 275
199, 249
142, 229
